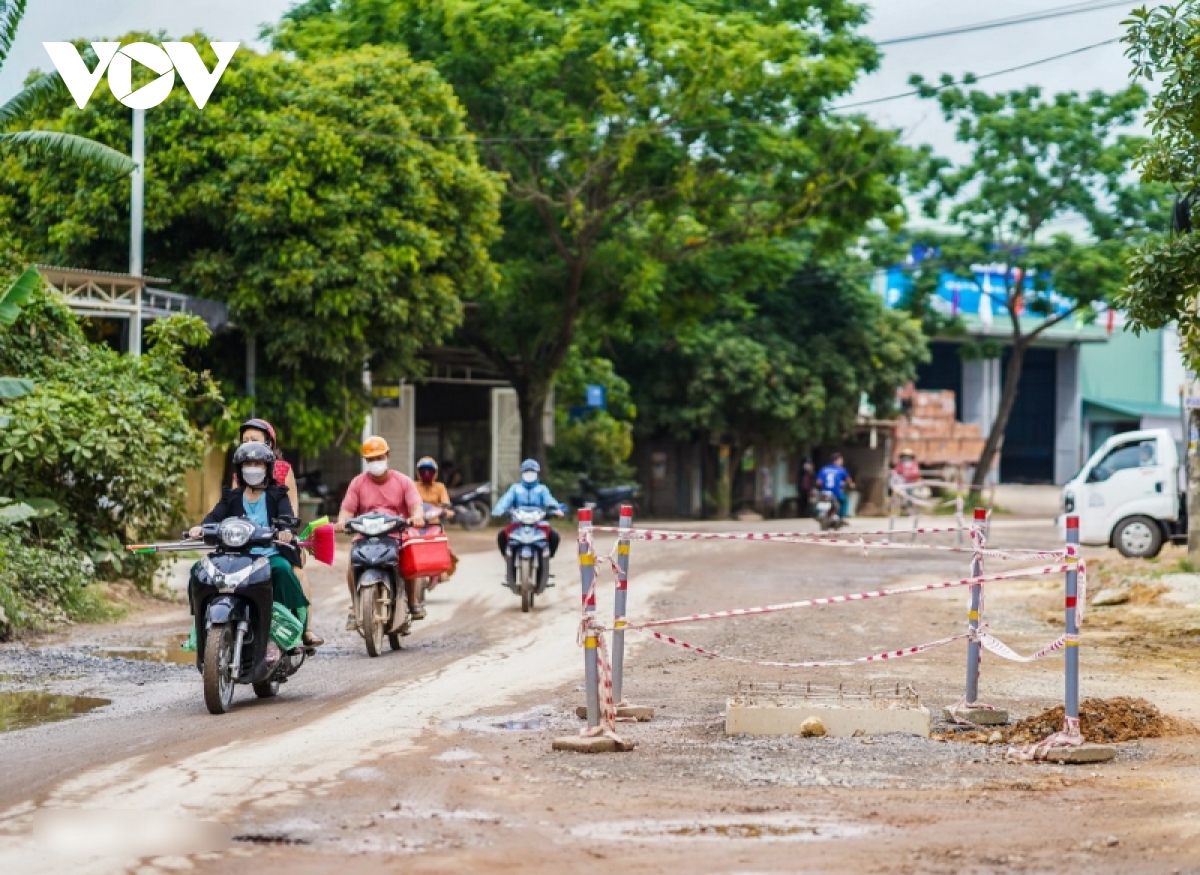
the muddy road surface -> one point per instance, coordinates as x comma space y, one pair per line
437, 758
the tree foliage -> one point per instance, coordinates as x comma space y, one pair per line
632, 135
334, 204
98, 448
1163, 271
1035, 161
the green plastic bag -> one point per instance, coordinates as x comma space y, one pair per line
286, 628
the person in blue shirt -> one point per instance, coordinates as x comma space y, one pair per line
836, 479
528, 493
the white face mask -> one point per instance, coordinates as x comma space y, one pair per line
530, 477
377, 468
254, 476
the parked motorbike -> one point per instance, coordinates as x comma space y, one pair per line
380, 601
528, 555
472, 506
827, 510
237, 621
605, 501
310, 483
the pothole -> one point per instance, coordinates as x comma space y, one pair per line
20, 710
533, 720
785, 828
162, 650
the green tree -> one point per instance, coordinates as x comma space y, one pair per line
1035, 160
336, 205
71, 147
781, 365
632, 135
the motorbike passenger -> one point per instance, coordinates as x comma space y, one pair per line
835, 479
907, 471
382, 489
528, 493
434, 493
257, 497
261, 431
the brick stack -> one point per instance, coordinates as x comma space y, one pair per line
931, 431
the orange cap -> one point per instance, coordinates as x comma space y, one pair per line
374, 446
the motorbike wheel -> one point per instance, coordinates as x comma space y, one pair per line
218, 669
526, 585
477, 516
268, 689
368, 618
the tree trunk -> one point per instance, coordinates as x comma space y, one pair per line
1193, 489
531, 404
724, 482
995, 440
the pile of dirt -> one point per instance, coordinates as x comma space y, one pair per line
1105, 721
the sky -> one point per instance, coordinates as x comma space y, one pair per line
982, 52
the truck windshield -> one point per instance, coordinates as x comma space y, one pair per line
1140, 454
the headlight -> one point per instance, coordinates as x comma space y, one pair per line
375, 526
529, 517
234, 579
1068, 501
235, 532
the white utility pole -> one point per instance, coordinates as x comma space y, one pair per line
136, 209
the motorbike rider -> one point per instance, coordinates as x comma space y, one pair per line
834, 478
259, 498
261, 431
380, 488
435, 493
528, 493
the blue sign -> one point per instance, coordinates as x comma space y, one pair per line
597, 396
985, 296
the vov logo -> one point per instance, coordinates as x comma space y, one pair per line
166, 61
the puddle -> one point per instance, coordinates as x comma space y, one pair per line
529, 721
783, 828
23, 709
457, 754
164, 650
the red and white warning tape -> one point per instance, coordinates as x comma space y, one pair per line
850, 597
853, 540
874, 657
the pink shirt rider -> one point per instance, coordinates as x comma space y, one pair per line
396, 495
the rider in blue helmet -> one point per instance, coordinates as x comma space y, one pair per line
528, 492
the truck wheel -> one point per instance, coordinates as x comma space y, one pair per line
1138, 537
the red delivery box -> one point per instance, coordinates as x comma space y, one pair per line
425, 555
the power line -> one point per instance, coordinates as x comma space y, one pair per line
978, 78
1044, 15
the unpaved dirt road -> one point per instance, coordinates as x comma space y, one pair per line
437, 758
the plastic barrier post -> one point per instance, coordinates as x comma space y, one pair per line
587, 577
1071, 704
619, 605
974, 651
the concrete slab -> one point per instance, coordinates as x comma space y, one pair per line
1081, 754
979, 716
781, 716
640, 713
591, 744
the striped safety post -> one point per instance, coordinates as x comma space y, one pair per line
1071, 703
587, 578
619, 603
974, 650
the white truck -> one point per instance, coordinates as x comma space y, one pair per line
1129, 495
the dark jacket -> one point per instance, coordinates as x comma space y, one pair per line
230, 504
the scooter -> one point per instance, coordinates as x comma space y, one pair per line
433, 513
380, 600
242, 635
472, 506
528, 555
827, 510
605, 501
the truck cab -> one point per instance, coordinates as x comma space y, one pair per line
1128, 494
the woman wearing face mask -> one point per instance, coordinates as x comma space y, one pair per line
528, 493
257, 497
261, 431
436, 499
